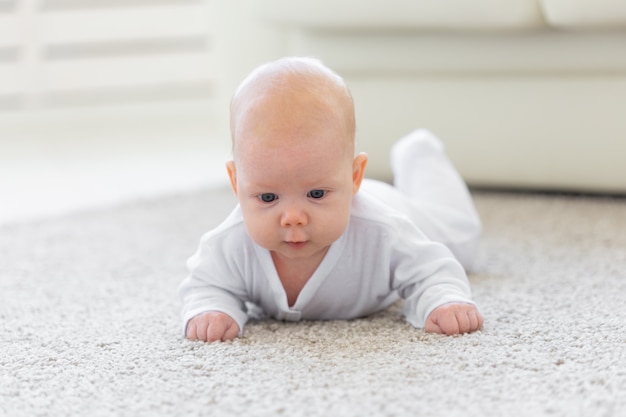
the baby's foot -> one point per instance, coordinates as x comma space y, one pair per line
419, 164
440, 199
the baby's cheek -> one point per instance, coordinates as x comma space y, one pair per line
336, 224
262, 229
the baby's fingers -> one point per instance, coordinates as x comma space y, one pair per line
231, 331
476, 320
453, 319
467, 321
461, 323
197, 328
440, 323
192, 330
211, 327
222, 328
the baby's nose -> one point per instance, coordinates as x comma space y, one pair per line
293, 216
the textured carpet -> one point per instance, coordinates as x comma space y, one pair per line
90, 324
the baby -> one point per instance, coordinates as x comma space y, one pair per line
310, 239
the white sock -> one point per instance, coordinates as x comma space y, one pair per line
439, 200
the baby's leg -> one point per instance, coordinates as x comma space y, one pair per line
428, 188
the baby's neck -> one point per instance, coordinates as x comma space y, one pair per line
295, 273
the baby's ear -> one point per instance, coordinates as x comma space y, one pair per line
232, 174
358, 171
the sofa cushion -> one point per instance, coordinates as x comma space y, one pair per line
403, 14
477, 54
592, 14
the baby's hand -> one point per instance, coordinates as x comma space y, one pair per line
454, 318
212, 326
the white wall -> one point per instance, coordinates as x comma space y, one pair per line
104, 100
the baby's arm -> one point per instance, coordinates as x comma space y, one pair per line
212, 326
454, 318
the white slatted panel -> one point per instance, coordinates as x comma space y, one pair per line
104, 25
9, 33
9, 80
9, 52
121, 72
67, 52
12, 85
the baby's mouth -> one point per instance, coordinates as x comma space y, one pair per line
296, 245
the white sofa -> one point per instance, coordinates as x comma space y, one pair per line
524, 93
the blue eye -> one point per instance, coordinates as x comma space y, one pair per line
317, 194
268, 197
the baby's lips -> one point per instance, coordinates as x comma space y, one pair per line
296, 245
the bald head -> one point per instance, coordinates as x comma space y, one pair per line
291, 93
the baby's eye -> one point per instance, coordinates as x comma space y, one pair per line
268, 197
316, 194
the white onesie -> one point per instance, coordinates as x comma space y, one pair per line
382, 256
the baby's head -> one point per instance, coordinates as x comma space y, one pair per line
291, 90
294, 170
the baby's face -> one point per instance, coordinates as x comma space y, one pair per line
295, 180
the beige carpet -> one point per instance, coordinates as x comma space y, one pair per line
90, 324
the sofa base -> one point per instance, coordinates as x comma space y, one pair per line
548, 132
